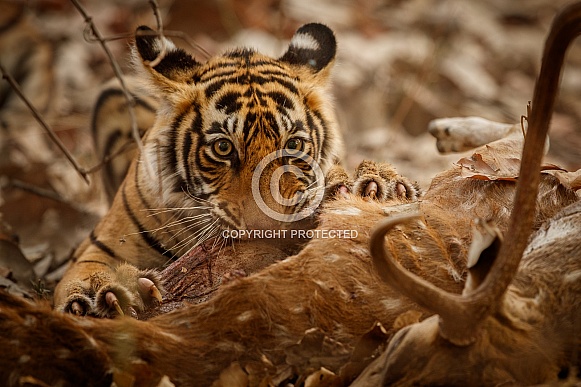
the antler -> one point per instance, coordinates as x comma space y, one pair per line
460, 316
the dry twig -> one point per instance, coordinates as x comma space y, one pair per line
116, 69
43, 123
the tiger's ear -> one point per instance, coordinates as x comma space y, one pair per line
313, 46
167, 65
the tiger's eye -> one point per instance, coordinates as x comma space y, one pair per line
294, 144
223, 147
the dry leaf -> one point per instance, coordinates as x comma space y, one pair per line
475, 167
491, 164
369, 346
570, 180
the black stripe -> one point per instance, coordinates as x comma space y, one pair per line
283, 81
240, 52
229, 102
260, 78
186, 148
115, 92
281, 100
269, 64
144, 203
298, 127
170, 153
227, 211
221, 77
112, 139
213, 88
208, 169
149, 239
310, 128
249, 122
271, 129
196, 128
101, 246
319, 134
216, 128
213, 72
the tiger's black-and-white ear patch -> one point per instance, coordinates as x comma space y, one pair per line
313, 45
175, 63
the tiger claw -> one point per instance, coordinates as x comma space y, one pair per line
371, 190
77, 309
146, 286
343, 191
401, 190
112, 300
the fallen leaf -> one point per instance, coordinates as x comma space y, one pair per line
495, 166
369, 346
570, 180
475, 167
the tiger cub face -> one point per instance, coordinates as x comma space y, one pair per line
244, 138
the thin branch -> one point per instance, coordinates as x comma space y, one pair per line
10, 183
43, 123
191, 42
176, 34
110, 156
38, 191
116, 69
162, 53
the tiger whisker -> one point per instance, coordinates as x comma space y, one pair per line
188, 229
185, 220
192, 196
193, 219
201, 236
219, 238
197, 236
175, 223
175, 209
315, 185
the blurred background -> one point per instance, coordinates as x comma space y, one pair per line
400, 64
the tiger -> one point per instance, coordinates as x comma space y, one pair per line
195, 175
112, 129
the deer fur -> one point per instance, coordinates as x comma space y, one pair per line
518, 321
331, 285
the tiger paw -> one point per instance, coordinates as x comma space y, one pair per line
372, 181
380, 181
107, 294
337, 182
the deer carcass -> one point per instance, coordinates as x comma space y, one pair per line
253, 322
517, 322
